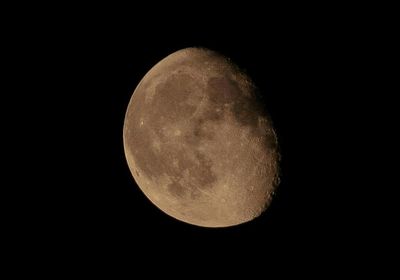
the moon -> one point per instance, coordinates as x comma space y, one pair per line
198, 141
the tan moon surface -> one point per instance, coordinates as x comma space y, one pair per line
198, 142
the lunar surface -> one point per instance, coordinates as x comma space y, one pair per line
199, 143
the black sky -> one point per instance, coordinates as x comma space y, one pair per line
288, 69
82, 70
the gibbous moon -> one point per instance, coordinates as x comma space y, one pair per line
199, 143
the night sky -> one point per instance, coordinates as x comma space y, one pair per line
83, 71
288, 69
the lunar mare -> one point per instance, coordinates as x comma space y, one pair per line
198, 142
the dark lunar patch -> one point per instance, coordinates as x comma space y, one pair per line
197, 133
185, 110
214, 113
176, 189
170, 98
203, 173
201, 132
179, 85
222, 90
191, 138
270, 141
247, 111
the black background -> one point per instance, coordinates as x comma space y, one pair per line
81, 70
